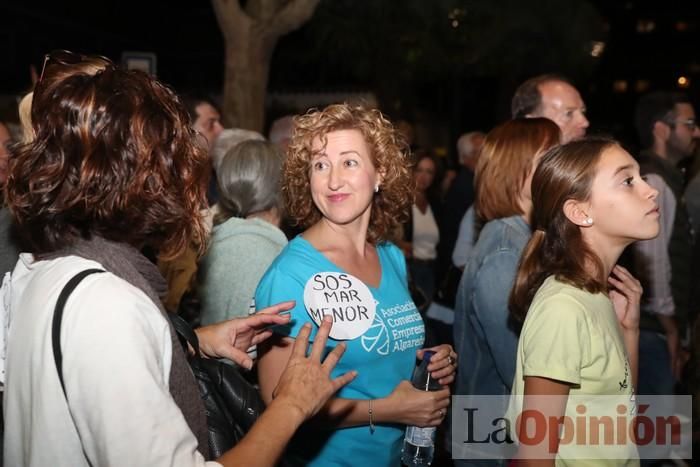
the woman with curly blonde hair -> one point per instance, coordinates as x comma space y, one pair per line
347, 183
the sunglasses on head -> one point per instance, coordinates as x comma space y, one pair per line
66, 57
62, 57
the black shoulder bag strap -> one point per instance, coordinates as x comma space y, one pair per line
56, 333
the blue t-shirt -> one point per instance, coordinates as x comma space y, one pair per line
384, 352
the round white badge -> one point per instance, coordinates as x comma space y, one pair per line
343, 297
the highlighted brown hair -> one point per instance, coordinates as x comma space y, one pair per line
389, 155
506, 161
113, 155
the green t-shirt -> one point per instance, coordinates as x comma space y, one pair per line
573, 336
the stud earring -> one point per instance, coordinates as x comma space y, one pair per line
376, 188
589, 221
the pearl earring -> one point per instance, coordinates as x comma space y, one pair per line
376, 188
589, 221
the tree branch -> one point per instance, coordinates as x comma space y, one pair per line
292, 16
229, 15
262, 11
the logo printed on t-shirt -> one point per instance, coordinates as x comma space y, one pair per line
623, 384
345, 298
376, 337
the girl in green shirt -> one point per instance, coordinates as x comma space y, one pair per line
579, 310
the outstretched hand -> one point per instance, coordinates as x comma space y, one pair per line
232, 338
305, 383
625, 294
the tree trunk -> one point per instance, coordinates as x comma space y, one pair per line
250, 37
245, 82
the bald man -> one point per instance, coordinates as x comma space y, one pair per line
555, 98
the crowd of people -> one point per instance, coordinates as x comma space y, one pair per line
511, 269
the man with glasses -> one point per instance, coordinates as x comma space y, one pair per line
665, 122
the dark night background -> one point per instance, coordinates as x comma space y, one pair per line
448, 65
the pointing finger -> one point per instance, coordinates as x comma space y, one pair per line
319, 344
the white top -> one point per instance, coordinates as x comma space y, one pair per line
425, 234
116, 364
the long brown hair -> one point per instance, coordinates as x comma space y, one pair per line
557, 247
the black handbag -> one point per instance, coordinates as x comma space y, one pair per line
232, 404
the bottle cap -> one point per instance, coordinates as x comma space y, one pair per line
427, 355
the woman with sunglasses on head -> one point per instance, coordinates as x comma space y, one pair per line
114, 167
347, 183
579, 310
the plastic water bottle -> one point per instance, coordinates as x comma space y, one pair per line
419, 443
